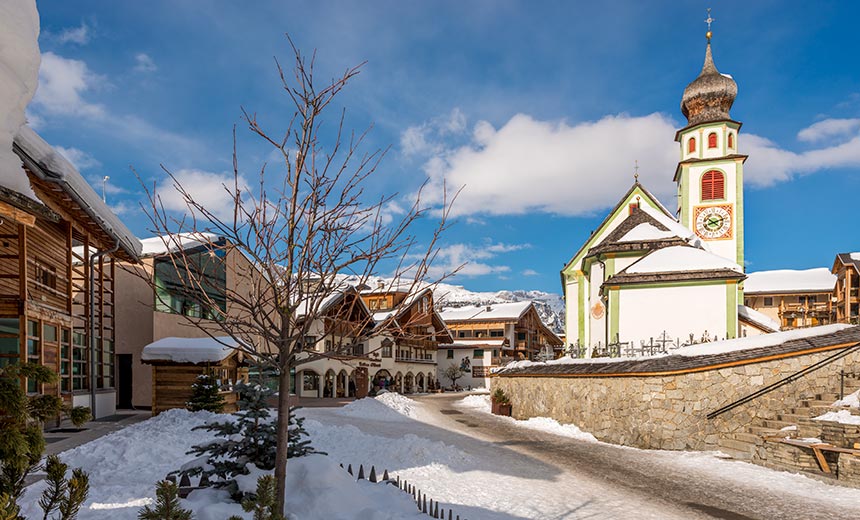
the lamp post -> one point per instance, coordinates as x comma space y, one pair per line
104, 186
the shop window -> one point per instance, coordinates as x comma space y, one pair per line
310, 381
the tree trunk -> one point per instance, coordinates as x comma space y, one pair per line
283, 438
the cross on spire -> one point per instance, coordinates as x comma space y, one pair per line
708, 21
636, 170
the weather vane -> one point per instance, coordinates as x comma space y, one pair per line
708, 21
636, 170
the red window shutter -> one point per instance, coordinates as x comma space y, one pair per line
731, 140
712, 140
713, 185
691, 145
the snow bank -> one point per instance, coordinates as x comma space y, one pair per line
482, 403
387, 406
19, 76
125, 465
757, 317
842, 416
764, 340
850, 400
189, 350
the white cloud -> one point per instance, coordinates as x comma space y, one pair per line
123, 208
530, 272
79, 35
144, 63
79, 158
829, 128
62, 81
528, 165
473, 258
427, 138
206, 189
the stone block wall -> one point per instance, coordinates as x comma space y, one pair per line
669, 411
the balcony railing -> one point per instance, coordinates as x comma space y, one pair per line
426, 361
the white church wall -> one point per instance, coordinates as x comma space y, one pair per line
680, 311
571, 311
727, 248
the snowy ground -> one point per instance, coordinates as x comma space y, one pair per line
451, 447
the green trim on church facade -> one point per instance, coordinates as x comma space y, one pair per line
731, 310
580, 312
614, 306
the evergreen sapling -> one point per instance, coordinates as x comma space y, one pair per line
166, 504
206, 395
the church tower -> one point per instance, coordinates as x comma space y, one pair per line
710, 172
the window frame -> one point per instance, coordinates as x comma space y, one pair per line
711, 184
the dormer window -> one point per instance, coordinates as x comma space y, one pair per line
713, 185
712, 140
691, 145
732, 141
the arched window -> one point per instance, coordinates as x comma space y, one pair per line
713, 185
712, 140
691, 145
732, 141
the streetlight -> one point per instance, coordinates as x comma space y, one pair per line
104, 184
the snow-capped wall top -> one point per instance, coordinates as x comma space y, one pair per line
681, 258
19, 76
162, 245
496, 311
819, 279
762, 320
189, 350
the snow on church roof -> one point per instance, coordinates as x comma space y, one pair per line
646, 231
819, 279
189, 350
681, 258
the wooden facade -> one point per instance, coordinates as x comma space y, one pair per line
794, 310
172, 381
45, 272
415, 328
846, 295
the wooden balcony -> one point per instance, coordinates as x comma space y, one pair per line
400, 359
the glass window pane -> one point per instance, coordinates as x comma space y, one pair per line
33, 328
9, 325
50, 333
32, 347
9, 346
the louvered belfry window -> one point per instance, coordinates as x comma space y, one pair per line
713, 185
712, 140
691, 145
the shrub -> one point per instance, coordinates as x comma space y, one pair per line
206, 395
79, 415
264, 502
166, 504
500, 397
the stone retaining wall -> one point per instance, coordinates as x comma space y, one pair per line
669, 412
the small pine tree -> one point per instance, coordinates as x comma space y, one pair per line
166, 504
63, 495
264, 502
250, 439
206, 395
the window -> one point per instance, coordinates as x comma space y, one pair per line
712, 140
478, 353
521, 336
46, 276
106, 365
10, 346
173, 295
358, 350
34, 351
65, 360
713, 185
386, 348
497, 333
79, 362
731, 140
691, 145
495, 353
374, 304
450, 354
310, 381
768, 301
464, 334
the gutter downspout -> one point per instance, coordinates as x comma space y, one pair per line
92, 319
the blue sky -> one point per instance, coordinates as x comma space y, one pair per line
539, 108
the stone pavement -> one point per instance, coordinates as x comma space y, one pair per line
67, 436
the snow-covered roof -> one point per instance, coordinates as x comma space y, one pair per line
161, 245
819, 279
48, 164
681, 258
763, 321
189, 350
854, 256
763, 340
496, 311
646, 231
676, 228
476, 343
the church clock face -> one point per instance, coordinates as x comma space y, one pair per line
714, 222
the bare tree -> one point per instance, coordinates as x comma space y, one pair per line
300, 239
454, 372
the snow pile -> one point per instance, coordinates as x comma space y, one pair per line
318, 489
850, 400
790, 280
681, 258
19, 76
125, 465
189, 350
764, 340
482, 403
855, 256
388, 406
646, 231
842, 416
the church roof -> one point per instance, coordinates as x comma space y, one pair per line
640, 231
709, 97
678, 263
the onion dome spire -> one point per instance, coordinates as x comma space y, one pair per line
710, 96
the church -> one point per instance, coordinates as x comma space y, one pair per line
647, 274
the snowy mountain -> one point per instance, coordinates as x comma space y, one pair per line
550, 306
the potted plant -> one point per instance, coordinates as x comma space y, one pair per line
501, 402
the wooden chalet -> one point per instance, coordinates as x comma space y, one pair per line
846, 295
411, 321
177, 363
57, 268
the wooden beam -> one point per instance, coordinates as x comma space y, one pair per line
13, 213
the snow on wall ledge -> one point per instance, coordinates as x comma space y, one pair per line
669, 411
19, 75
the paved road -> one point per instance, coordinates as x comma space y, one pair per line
704, 489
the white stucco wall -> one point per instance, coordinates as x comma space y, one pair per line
680, 311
